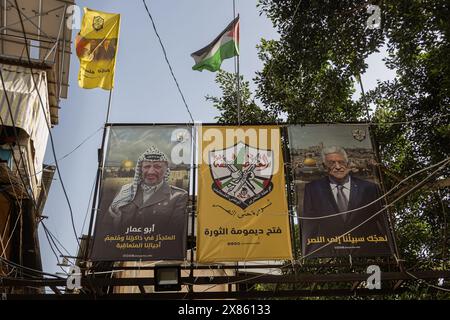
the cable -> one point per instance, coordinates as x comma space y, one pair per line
15, 194
378, 199
69, 153
51, 246
426, 283
245, 280
53, 250
379, 211
88, 208
364, 206
30, 193
12, 232
19, 203
54, 238
445, 115
46, 120
167, 61
368, 219
8, 103
29, 269
365, 221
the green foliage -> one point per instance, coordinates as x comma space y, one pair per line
310, 72
227, 104
310, 75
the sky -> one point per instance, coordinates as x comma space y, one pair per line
145, 92
331, 135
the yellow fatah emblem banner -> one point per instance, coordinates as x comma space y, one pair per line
96, 47
242, 204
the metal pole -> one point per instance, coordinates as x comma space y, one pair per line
364, 98
98, 178
109, 109
238, 93
193, 207
236, 71
288, 171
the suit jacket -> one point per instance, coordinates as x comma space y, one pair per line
319, 201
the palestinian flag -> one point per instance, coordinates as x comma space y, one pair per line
225, 46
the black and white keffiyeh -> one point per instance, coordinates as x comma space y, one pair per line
128, 191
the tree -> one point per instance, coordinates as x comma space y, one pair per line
310, 74
227, 104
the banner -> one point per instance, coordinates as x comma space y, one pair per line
96, 47
338, 197
242, 207
143, 195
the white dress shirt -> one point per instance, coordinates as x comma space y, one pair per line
346, 189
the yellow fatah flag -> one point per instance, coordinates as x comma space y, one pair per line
96, 47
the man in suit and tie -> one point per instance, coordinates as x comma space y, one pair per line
337, 203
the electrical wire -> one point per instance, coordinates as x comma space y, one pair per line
25, 185
30, 193
322, 247
12, 232
29, 269
426, 282
381, 210
367, 205
167, 61
376, 200
69, 153
19, 203
52, 249
235, 282
193, 120
14, 128
443, 165
88, 207
51, 246
46, 120
56, 239
445, 115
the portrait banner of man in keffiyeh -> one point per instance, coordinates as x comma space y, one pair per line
142, 211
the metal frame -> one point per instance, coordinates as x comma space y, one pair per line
390, 281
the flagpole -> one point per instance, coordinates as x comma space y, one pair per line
109, 106
238, 93
236, 71
98, 179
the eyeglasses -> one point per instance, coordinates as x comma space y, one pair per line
332, 164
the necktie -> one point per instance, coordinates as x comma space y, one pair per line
342, 200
